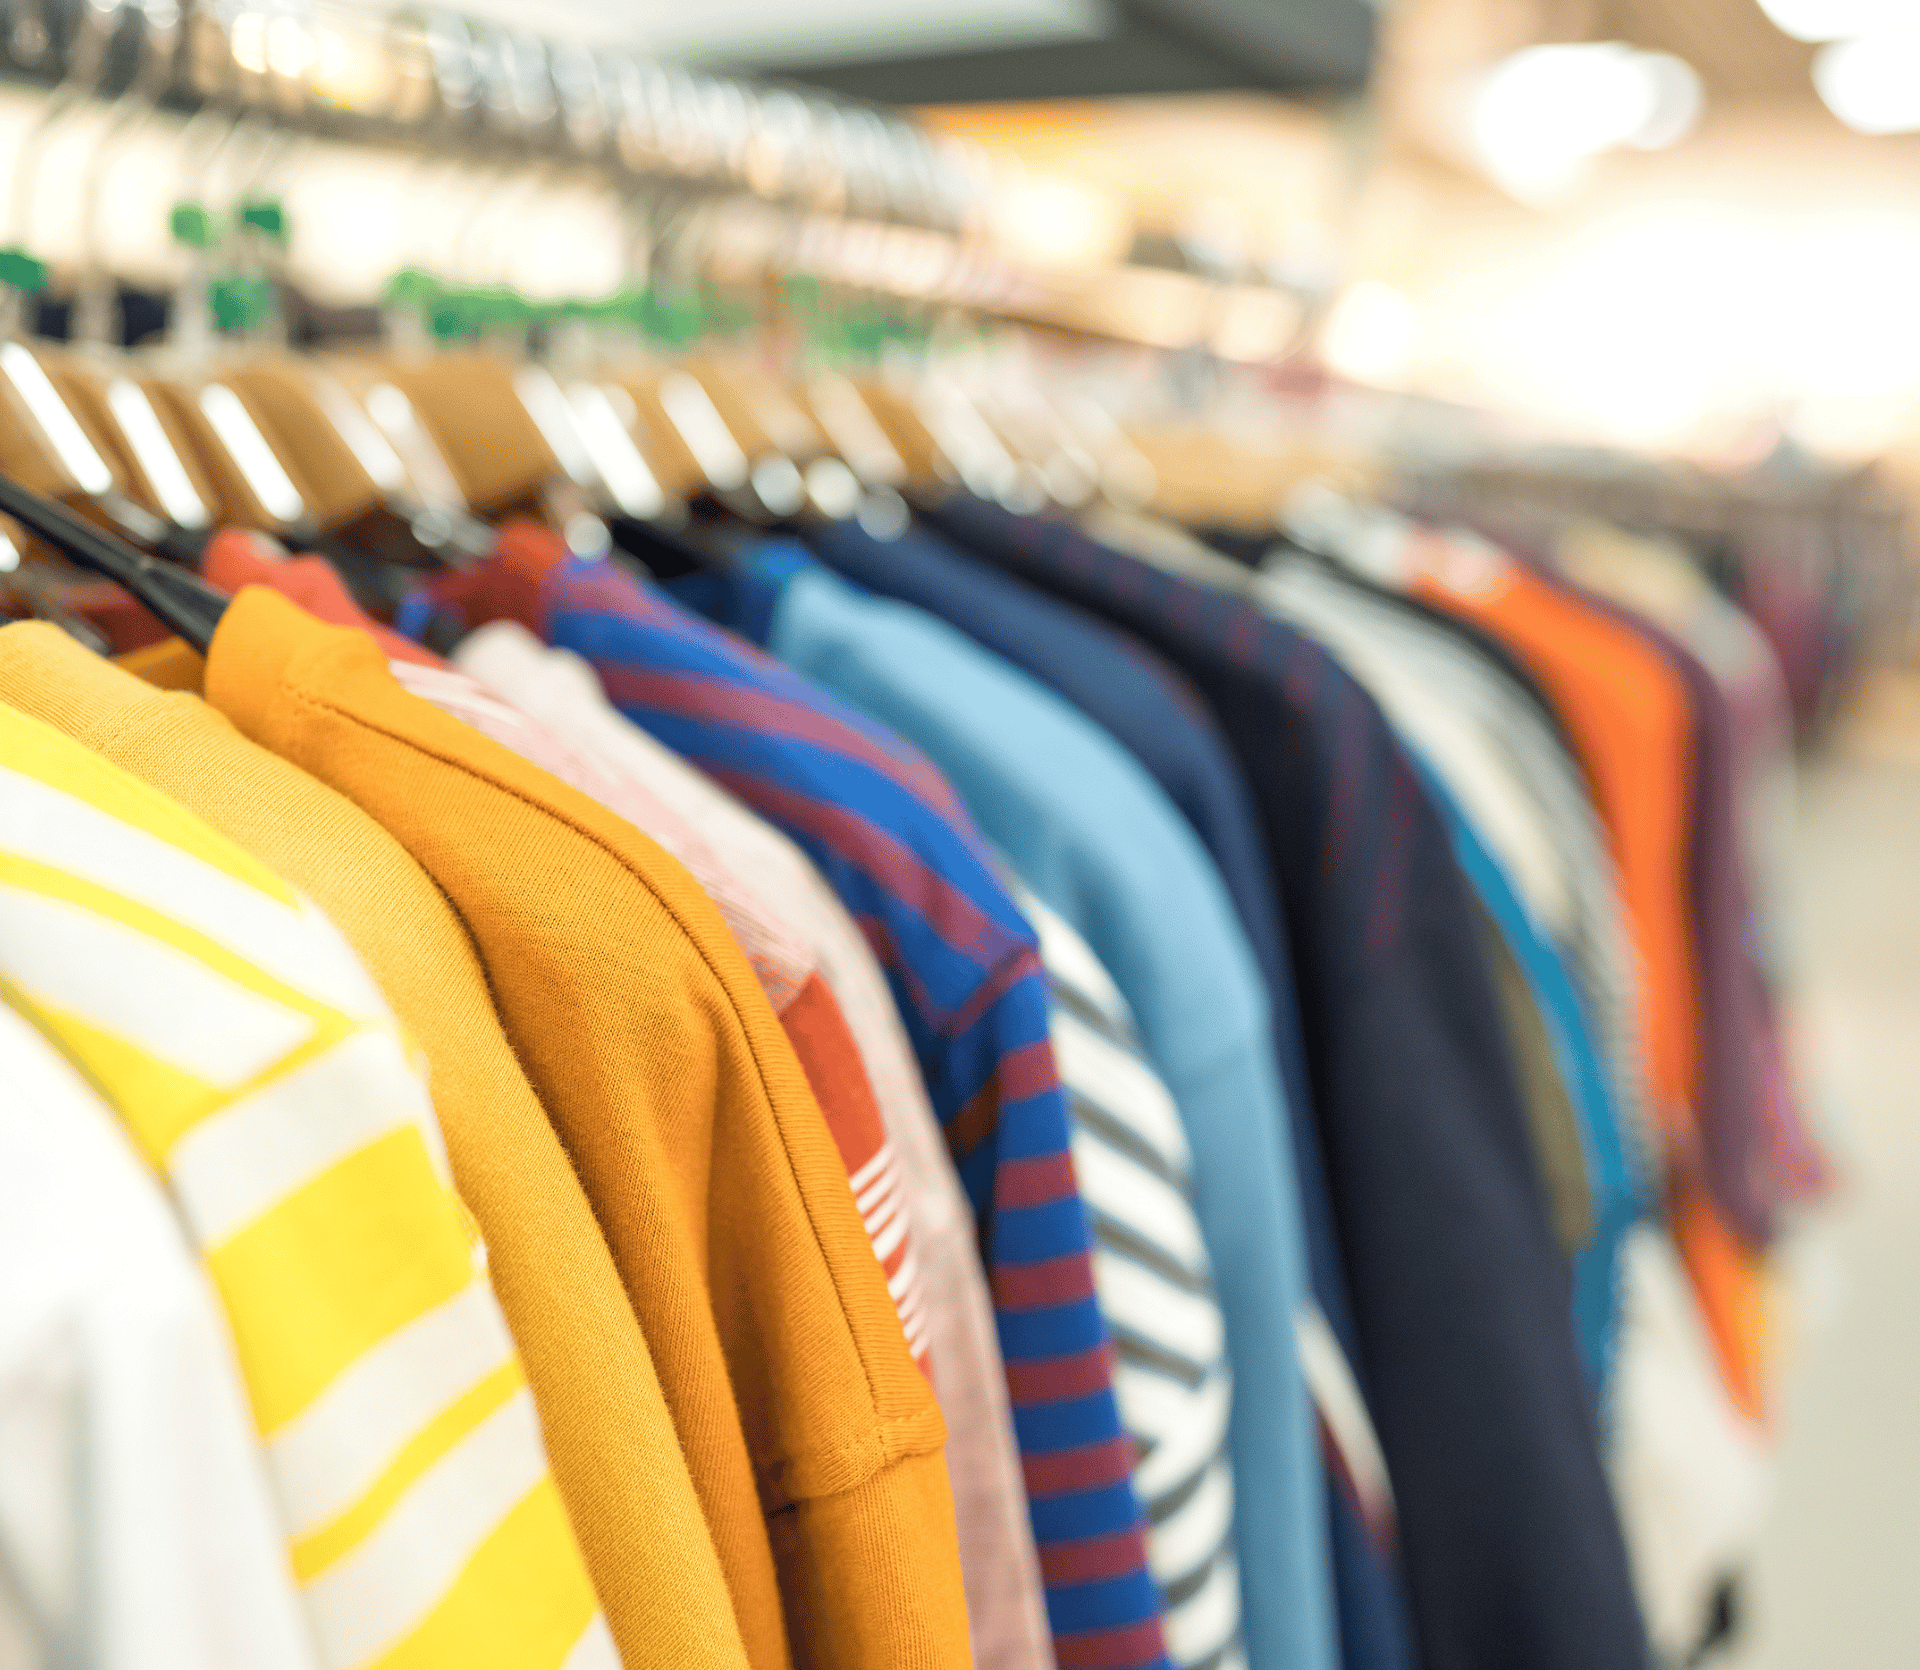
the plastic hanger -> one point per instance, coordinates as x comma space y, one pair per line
29, 583
182, 602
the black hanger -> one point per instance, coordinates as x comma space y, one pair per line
186, 547
1250, 550
669, 553
183, 601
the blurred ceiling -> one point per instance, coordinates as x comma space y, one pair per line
1166, 158
1032, 49
970, 51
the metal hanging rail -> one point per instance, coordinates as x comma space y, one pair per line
447, 83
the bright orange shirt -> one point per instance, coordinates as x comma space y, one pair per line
1626, 711
808, 1011
813, 1439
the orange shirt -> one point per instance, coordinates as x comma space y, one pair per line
1627, 713
782, 962
813, 1439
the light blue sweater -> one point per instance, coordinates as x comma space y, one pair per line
1095, 837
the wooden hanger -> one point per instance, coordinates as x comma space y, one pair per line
43, 444
885, 445
628, 456
154, 456
1205, 476
779, 440
519, 440
337, 482
363, 382
466, 401
67, 452
253, 484
758, 408
632, 387
1027, 422
354, 480
946, 440
678, 412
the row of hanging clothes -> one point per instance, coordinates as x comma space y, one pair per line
1816, 558
718, 1004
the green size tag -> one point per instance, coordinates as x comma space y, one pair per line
241, 300
192, 224
20, 272
267, 215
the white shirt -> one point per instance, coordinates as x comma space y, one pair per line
137, 1528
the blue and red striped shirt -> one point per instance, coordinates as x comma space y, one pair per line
889, 834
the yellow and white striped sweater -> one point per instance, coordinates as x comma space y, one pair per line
259, 1071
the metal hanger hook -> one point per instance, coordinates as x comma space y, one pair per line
86, 64
129, 112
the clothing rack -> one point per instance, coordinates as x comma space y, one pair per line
441, 83
1829, 550
712, 171
963, 1050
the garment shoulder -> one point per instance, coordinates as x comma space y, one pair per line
514, 808
612, 965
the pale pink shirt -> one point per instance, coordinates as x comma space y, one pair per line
780, 957
1006, 1608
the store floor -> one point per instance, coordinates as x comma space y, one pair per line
1837, 1581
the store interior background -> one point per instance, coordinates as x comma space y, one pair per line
1659, 261
1730, 293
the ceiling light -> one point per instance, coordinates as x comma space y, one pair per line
1540, 116
1049, 222
1873, 85
1369, 335
1837, 20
